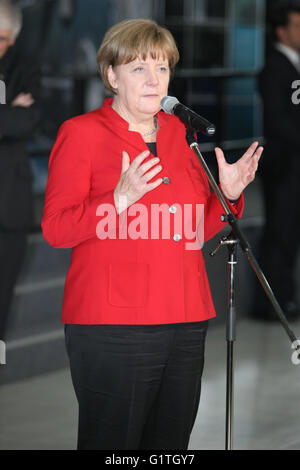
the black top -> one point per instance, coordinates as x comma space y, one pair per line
152, 148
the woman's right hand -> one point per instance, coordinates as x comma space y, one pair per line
133, 183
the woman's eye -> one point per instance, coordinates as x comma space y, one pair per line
138, 69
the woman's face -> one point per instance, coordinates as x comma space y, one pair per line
140, 85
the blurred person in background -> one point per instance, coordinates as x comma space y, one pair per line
19, 118
280, 167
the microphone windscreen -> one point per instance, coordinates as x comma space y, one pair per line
168, 103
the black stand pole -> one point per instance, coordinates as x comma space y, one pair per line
239, 238
231, 243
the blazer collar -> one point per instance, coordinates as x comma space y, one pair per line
291, 54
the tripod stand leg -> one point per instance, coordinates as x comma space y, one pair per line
230, 337
229, 397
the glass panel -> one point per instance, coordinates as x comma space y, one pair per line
245, 47
240, 98
215, 8
199, 47
245, 11
174, 8
178, 36
205, 9
208, 48
224, 34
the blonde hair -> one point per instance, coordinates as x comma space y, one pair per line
10, 17
129, 39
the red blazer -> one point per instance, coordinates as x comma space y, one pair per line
133, 280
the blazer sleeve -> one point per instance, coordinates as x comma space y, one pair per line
213, 212
69, 216
18, 122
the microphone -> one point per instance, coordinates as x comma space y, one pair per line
192, 120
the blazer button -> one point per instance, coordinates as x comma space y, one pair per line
166, 180
176, 237
172, 209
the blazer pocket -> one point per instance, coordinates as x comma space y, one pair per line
128, 284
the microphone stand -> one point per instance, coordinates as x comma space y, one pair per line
231, 243
236, 237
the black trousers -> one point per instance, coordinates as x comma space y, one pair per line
137, 386
12, 251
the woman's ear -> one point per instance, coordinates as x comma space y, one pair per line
111, 76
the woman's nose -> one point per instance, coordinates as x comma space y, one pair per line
152, 77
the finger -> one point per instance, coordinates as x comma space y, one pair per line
154, 184
251, 176
26, 104
255, 158
24, 95
24, 99
259, 152
254, 165
250, 151
138, 160
220, 157
125, 162
146, 166
150, 174
21, 96
22, 104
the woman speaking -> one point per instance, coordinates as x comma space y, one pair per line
123, 192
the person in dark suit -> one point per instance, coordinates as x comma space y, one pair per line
19, 118
280, 167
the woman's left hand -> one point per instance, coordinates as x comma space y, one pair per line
236, 176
